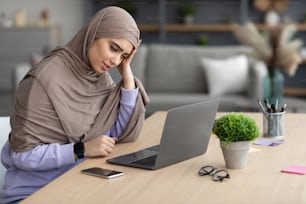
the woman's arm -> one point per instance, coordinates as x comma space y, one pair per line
129, 93
44, 157
126, 109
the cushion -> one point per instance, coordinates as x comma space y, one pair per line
224, 76
139, 61
35, 59
19, 72
174, 69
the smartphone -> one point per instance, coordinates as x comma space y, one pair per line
103, 173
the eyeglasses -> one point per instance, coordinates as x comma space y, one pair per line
217, 174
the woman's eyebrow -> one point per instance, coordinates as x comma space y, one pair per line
120, 48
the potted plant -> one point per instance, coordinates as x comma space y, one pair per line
188, 11
202, 40
236, 131
129, 7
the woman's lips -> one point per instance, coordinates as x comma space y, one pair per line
104, 67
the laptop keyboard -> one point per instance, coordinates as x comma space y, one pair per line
149, 161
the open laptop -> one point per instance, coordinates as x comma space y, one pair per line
185, 135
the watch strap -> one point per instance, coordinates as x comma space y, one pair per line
78, 149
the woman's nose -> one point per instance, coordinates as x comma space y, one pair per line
116, 60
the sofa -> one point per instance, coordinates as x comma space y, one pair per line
176, 75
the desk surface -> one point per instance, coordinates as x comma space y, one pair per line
260, 182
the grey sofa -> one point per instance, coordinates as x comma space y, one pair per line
173, 76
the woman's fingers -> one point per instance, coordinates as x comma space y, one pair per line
100, 146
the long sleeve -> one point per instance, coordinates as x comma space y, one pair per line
29, 171
44, 157
127, 105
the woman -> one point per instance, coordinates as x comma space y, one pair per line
67, 106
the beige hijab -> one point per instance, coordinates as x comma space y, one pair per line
63, 100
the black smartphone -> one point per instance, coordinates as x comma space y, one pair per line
103, 173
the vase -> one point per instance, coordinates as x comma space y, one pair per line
188, 19
273, 85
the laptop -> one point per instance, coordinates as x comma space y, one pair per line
185, 135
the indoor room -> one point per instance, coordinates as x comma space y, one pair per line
245, 58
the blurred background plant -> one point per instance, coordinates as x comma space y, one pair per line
265, 5
202, 40
129, 7
274, 46
188, 11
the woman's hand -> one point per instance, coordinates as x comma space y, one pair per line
100, 146
126, 70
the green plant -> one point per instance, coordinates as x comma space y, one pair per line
236, 127
202, 40
129, 7
188, 9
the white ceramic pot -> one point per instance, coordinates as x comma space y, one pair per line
188, 19
236, 154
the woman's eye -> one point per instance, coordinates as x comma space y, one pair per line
125, 56
114, 48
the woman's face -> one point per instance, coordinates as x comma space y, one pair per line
106, 53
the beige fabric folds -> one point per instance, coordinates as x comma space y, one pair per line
63, 100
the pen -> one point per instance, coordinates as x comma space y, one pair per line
284, 107
273, 108
276, 105
262, 108
268, 106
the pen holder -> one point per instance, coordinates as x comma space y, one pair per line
273, 124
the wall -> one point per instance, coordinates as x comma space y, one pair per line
68, 14
17, 44
71, 15
163, 12
209, 12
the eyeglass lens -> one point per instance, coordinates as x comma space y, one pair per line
220, 175
206, 170
217, 175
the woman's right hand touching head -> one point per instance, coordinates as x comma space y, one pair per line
102, 145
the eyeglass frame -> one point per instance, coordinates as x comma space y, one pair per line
213, 173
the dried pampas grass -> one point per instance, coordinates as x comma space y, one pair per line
274, 46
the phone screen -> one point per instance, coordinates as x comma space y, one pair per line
100, 172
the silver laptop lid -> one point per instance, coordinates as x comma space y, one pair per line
186, 132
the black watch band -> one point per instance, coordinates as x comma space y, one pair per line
78, 149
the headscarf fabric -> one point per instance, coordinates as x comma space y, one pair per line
63, 100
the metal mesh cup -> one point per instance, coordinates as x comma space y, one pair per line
273, 124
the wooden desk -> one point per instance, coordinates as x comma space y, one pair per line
260, 182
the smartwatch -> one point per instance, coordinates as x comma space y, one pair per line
78, 149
